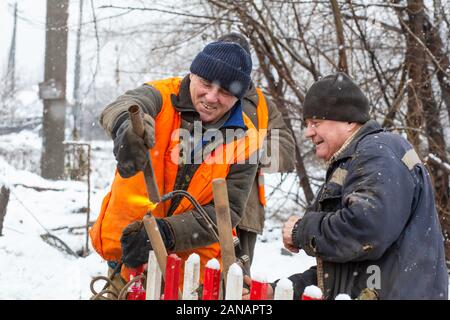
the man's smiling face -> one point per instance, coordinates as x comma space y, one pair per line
328, 136
210, 100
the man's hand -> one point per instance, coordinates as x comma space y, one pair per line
131, 151
246, 292
287, 234
136, 245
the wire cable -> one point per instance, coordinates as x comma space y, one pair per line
203, 213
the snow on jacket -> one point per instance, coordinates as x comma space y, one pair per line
374, 223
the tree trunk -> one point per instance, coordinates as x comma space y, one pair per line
415, 61
436, 47
418, 61
53, 90
343, 67
4, 198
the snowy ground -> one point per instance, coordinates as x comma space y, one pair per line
32, 269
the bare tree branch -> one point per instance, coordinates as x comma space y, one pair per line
342, 64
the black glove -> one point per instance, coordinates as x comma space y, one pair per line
130, 150
136, 245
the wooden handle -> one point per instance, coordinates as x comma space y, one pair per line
137, 123
151, 227
157, 242
222, 207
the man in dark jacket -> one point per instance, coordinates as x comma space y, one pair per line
373, 226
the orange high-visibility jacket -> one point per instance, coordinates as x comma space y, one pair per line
128, 202
262, 113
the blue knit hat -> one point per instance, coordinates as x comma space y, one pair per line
226, 64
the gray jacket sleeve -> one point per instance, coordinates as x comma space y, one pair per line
280, 143
146, 97
192, 231
376, 200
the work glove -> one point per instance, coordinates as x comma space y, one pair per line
136, 245
130, 150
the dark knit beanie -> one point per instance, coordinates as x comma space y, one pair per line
336, 97
226, 64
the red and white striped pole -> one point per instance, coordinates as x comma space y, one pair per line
258, 289
312, 293
172, 277
211, 283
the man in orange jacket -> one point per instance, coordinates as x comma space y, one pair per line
177, 111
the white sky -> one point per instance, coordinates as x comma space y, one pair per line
30, 45
30, 37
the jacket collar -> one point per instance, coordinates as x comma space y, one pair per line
251, 94
369, 127
183, 104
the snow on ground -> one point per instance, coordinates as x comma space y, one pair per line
32, 269
273, 265
29, 267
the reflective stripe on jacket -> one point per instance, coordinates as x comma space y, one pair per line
263, 122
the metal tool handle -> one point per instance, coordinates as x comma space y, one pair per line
151, 227
137, 123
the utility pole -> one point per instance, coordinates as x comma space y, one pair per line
76, 80
53, 90
12, 57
